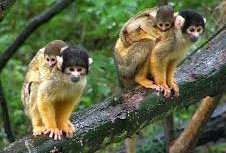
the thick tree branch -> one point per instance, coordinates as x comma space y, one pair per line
187, 140
4, 7
213, 131
34, 24
5, 116
202, 74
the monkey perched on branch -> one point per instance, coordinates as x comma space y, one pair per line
54, 98
150, 60
157, 59
39, 69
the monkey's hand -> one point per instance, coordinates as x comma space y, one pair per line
54, 133
39, 130
174, 87
68, 129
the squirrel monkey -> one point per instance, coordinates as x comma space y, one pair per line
128, 56
150, 23
39, 68
159, 59
163, 56
57, 95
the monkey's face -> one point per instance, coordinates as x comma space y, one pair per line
194, 32
164, 26
194, 24
76, 73
164, 18
51, 60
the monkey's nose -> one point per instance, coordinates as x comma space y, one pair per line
75, 78
193, 39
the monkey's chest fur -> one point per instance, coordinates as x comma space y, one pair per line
62, 90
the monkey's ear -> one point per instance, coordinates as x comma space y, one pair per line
59, 62
204, 20
90, 61
42, 49
62, 49
179, 22
153, 14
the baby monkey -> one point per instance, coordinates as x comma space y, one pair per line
149, 24
43, 62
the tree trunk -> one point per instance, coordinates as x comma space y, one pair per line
202, 74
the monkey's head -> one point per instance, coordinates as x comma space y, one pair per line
194, 24
53, 49
164, 18
75, 62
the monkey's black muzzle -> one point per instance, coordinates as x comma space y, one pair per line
75, 78
194, 38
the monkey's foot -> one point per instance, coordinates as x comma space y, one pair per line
71, 126
148, 84
165, 90
54, 133
39, 130
68, 130
173, 86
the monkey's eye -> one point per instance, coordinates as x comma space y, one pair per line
167, 25
199, 29
160, 24
79, 69
53, 59
47, 59
71, 69
191, 29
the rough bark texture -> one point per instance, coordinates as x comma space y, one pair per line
4, 7
187, 140
202, 74
215, 130
34, 24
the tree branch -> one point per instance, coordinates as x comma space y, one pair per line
5, 116
4, 7
213, 131
202, 74
187, 140
34, 24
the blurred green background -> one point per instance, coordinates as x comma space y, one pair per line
94, 25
